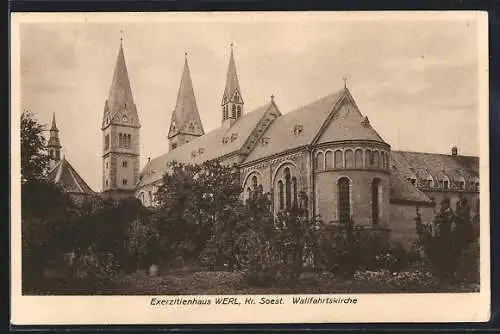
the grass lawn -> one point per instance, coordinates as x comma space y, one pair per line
182, 282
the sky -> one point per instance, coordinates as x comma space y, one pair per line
417, 81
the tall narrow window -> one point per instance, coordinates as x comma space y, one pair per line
233, 111
368, 159
106, 142
349, 159
375, 159
338, 159
124, 163
329, 160
254, 182
320, 161
294, 191
288, 188
124, 181
375, 202
358, 159
120, 140
281, 195
381, 162
344, 202
239, 112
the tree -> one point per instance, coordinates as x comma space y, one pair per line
194, 204
449, 244
34, 158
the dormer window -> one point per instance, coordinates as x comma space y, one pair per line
201, 150
234, 136
297, 130
265, 141
430, 182
365, 122
446, 183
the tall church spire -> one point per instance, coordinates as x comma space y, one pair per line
232, 102
185, 123
120, 132
120, 106
54, 145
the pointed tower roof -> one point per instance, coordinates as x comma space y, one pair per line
185, 117
54, 126
65, 176
54, 137
120, 101
232, 83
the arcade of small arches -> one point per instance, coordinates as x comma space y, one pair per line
356, 158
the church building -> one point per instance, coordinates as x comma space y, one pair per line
326, 150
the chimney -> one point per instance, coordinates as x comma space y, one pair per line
454, 151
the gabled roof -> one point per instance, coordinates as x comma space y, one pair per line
186, 110
421, 165
333, 118
232, 83
120, 101
214, 144
347, 123
402, 190
65, 176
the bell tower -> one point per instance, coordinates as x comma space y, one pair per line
185, 123
120, 134
232, 102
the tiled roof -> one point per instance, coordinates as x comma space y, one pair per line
207, 147
403, 190
64, 175
185, 107
421, 165
345, 125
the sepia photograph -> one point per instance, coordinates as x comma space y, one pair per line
219, 162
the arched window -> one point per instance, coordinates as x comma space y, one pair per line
288, 188
338, 159
349, 159
344, 201
368, 159
376, 158
233, 111
254, 182
358, 159
281, 195
329, 160
376, 202
294, 191
320, 161
239, 111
